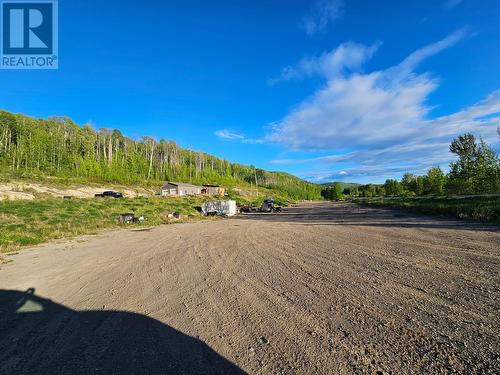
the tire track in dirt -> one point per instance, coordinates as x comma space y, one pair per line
322, 288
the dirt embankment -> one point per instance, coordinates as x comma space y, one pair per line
320, 289
30, 191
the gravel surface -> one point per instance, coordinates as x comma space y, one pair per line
322, 288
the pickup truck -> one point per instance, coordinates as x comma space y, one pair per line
110, 194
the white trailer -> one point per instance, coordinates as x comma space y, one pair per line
219, 208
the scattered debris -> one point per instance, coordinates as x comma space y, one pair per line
219, 208
130, 218
127, 218
171, 215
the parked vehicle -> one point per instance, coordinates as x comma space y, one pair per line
267, 206
109, 194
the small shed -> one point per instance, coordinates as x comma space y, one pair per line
179, 189
213, 190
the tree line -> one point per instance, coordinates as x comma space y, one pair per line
59, 147
476, 171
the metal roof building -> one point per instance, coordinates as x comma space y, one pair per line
179, 189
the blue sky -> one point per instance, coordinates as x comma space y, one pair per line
327, 90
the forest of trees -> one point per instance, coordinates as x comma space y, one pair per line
477, 171
333, 191
58, 147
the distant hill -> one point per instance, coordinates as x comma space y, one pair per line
59, 147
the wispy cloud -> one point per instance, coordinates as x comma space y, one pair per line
414, 59
229, 134
379, 118
356, 109
346, 58
376, 124
425, 147
323, 13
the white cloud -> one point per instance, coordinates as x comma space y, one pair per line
229, 134
379, 121
324, 12
354, 111
427, 146
361, 109
345, 58
414, 59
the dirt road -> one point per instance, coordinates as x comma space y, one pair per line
321, 288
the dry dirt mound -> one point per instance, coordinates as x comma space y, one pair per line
29, 191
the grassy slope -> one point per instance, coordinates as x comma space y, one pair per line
480, 208
25, 223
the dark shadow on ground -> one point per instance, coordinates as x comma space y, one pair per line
38, 336
352, 214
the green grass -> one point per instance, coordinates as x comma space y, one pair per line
480, 208
25, 223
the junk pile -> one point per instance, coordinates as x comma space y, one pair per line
130, 218
219, 208
171, 215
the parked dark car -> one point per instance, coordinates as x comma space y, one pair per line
110, 194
